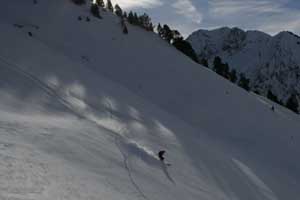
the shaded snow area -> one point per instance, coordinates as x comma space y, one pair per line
84, 110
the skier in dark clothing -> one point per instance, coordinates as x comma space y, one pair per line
162, 158
273, 108
161, 155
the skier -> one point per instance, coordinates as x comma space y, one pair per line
161, 155
162, 158
273, 108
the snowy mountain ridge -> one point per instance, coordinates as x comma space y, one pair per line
271, 62
85, 108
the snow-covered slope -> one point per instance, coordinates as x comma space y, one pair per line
272, 63
84, 110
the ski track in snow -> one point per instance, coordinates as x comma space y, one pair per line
50, 91
126, 166
255, 181
47, 89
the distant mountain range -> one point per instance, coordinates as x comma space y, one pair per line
272, 63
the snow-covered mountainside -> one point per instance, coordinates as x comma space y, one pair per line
271, 63
84, 109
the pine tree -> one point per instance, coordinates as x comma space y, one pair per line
272, 97
244, 82
125, 15
225, 68
176, 36
130, 17
109, 6
292, 103
151, 27
95, 11
186, 48
218, 65
118, 10
221, 68
100, 3
159, 30
145, 22
136, 20
233, 76
167, 33
204, 62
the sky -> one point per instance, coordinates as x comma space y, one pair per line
270, 16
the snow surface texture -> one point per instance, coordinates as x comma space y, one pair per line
272, 63
84, 110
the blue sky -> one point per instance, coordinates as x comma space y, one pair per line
271, 16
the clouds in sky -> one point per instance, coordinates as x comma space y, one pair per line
245, 7
271, 16
187, 9
127, 4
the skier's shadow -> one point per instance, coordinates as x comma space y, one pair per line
147, 156
165, 170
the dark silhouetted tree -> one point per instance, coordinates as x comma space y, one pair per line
130, 17
186, 48
292, 103
167, 33
136, 20
159, 30
95, 10
225, 73
204, 62
145, 22
151, 27
118, 10
100, 3
221, 68
218, 65
109, 6
272, 97
233, 76
244, 82
176, 35
133, 18
125, 15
